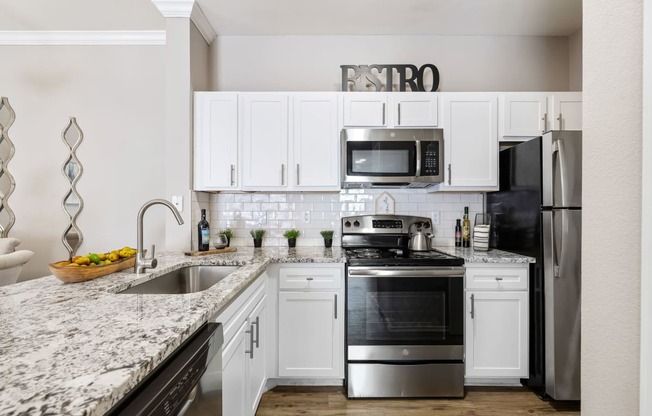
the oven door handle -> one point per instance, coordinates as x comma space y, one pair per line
406, 271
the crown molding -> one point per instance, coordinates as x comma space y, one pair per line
94, 37
174, 8
203, 25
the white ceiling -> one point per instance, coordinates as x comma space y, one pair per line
394, 17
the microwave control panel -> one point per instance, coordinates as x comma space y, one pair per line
430, 158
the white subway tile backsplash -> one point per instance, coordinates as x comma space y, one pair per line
278, 212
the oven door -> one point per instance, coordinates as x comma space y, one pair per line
405, 313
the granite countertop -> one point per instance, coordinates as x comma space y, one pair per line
77, 349
471, 256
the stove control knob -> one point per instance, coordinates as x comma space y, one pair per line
426, 224
347, 224
356, 223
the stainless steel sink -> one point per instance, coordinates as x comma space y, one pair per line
187, 279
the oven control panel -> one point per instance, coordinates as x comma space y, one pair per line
382, 224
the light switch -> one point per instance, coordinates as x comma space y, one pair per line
177, 201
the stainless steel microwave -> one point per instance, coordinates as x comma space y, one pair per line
391, 158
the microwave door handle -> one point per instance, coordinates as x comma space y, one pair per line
418, 170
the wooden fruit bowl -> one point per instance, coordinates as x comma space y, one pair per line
82, 274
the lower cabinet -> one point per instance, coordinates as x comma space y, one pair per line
496, 334
311, 322
243, 354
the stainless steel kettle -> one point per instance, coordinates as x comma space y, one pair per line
419, 240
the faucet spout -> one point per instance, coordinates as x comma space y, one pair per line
143, 263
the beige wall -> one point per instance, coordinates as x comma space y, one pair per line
465, 63
575, 61
116, 94
611, 255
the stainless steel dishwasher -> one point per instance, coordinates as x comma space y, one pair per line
188, 383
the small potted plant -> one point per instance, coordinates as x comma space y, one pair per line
258, 237
228, 233
292, 235
328, 238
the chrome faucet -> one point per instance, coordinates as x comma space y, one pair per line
142, 262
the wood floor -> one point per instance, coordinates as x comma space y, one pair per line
479, 401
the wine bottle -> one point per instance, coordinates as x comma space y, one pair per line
466, 229
203, 232
458, 233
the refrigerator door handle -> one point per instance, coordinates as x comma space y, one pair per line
558, 157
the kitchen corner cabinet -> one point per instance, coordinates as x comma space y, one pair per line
530, 114
470, 142
311, 321
244, 351
216, 141
496, 328
390, 109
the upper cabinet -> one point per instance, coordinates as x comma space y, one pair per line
216, 141
470, 142
566, 110
264, 141
530, 114
392, 109
315, 142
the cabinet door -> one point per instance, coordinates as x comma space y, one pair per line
566, 111
470, 141
311, 329
315, 142
256, 359
365, 109
523, 114
216, 141
416, 109
496, 334
265, 141
234, 381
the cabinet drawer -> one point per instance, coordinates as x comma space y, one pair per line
310, 278
497, 278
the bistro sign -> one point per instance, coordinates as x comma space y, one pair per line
359, 77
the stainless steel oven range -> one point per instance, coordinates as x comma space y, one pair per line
405, 312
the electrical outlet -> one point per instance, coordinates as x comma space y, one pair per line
435, 217
306, 217
177, 201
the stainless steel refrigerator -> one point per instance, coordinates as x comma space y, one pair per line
538, 212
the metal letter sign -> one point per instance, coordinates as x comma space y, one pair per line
365, 76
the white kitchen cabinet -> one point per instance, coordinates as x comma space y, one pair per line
565, 109
244, 352
525, 115
390, 109
264, 141
315, 142
311, 322
470, 142
216, 141
496, 328
290, 142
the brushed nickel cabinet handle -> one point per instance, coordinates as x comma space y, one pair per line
560, 119
499, 278
298, 174
282, 174
399, 114
309, 278
449, 173
472, 306
335, 306
232, 175
257, 323
545, 122
251, 342
383, 114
